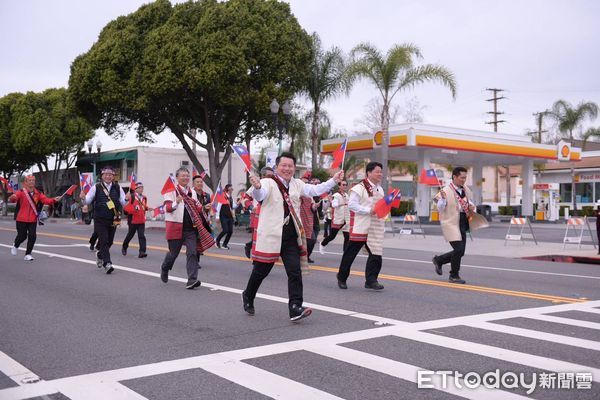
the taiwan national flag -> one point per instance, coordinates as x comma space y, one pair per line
339, 154
132, 183
169, 186
396, 202
242, 152
219, 197
428, 177
7, 184
159, 210
70, 190
384, 206
84, 184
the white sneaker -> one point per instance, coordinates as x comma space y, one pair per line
13, 251
28, 257
321, 249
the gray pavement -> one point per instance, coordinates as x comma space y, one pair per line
88, 335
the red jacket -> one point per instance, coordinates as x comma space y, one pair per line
137, 209
26, 213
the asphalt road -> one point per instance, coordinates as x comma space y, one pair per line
87, 335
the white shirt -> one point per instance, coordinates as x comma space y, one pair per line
354, 200
309, 190
89, 197
441, 203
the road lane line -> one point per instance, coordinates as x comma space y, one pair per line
16, 371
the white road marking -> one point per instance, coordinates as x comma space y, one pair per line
16, 371
567, 321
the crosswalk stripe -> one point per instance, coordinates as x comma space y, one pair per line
567, 321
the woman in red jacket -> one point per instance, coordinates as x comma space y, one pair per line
136, 207
27, 201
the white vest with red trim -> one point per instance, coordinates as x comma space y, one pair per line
341, 213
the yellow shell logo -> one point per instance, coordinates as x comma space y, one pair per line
378, 136
564, 151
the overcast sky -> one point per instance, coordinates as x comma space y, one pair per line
538, 51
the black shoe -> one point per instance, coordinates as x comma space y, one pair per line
248, 305
200, 253
248, 250
192, 283
311, 261
374, 285
124, 251
298, 312
99, 262
91, 247
342, 285
164, 275
456, 279
225, 247
109, 268
142, 255
437, 265
218, 245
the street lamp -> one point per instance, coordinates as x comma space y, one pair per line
287, 111
94, 156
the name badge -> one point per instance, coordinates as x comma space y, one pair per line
110, 204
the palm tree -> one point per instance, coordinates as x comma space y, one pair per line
590, 133
327, 80
392, 73
568, 119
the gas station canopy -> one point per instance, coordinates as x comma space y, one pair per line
425, 144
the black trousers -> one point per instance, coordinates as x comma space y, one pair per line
327, 227
105, 230
290, 255
94, 239
333, 234
26, 230
373, 262
458, 248
227, 226
140, 229
188, 240
310, 243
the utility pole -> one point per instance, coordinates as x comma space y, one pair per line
495, 122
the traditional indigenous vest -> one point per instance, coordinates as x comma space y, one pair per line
450, 217
307, 215
266, 240
338, 214
177, 215
365, 227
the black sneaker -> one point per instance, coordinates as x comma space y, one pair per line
374, 286
91, 247
225, 247
99, 262
164, 275
192, 283
437, 265
248, 305
248, 251
311, 261
342, 285
109, 268
298, 312
124, 251
142, 255
218, 245
456, 279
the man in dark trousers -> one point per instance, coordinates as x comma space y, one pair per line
28, 200
598, 224
226, 217
108, 199
204, 199
137, 205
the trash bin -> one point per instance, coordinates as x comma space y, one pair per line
485, 210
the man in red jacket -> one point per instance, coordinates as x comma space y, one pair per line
136, 207
27, 201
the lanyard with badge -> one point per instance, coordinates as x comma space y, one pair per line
111, 206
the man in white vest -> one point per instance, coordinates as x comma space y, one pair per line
455, 206
366, 229
340, 217
280, 232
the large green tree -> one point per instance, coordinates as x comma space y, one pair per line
392, 73
207, 65
328, 79
47, 127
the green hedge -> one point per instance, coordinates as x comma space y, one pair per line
504, 210
405, 207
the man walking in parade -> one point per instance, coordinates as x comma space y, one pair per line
108, 200
455, 206
340, 217
29, 203
184, 227
136, 207
265, 172
204, 199
366, 229
226, 217
280, 232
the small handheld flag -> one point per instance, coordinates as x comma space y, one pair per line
159, 210
428, 177
169, 186
70, 191
132, 183
219, 197
384, 206
243, 154
396, 202
84, 183
339, 155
